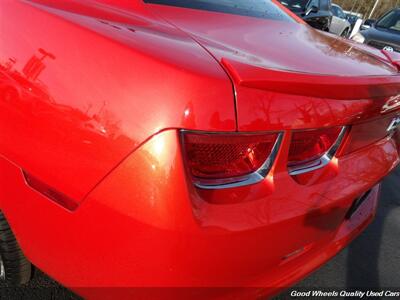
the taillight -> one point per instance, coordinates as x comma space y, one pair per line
312, 149
220, 160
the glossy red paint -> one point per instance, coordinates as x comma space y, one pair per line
83, 107
93, 95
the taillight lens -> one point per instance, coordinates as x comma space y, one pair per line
308, 146
226, 156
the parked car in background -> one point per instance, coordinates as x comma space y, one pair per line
383, 33
339, 24
317, 13
352, 17
368, 23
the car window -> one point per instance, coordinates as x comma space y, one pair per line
390, 21
396, 26
341, 13
296, 5
335, 11
300, 5
265, 9
326, 5
314, 3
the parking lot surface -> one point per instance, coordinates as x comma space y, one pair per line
371, 261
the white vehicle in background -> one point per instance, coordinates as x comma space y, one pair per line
353, 17
339, 24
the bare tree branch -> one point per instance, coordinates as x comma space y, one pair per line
365, 6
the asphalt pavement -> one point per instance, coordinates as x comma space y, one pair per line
370, 262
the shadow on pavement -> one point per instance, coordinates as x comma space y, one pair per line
369, 255
372, 260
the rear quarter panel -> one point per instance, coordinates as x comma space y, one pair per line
83, 84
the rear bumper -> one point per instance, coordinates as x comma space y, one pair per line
347, 231
145, 231
266, 285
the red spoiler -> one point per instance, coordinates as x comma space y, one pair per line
321, 86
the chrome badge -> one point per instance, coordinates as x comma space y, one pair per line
388, 48
395, 124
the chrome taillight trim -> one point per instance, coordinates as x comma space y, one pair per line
248, 179
322, 161
394, 125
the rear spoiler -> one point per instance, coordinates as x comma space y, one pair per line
393, 58
320, 86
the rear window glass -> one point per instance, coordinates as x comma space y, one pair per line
390, 21
295, 5
265, 9
326, 5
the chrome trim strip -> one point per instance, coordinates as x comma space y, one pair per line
252, 178
394, 125
324, 160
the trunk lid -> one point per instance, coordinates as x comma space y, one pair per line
274, 44
288, 75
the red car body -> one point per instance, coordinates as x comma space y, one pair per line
94, 179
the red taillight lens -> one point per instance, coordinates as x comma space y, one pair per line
221, 156
307, 146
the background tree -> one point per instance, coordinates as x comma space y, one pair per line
365, 6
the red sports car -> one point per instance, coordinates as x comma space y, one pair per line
185, 149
